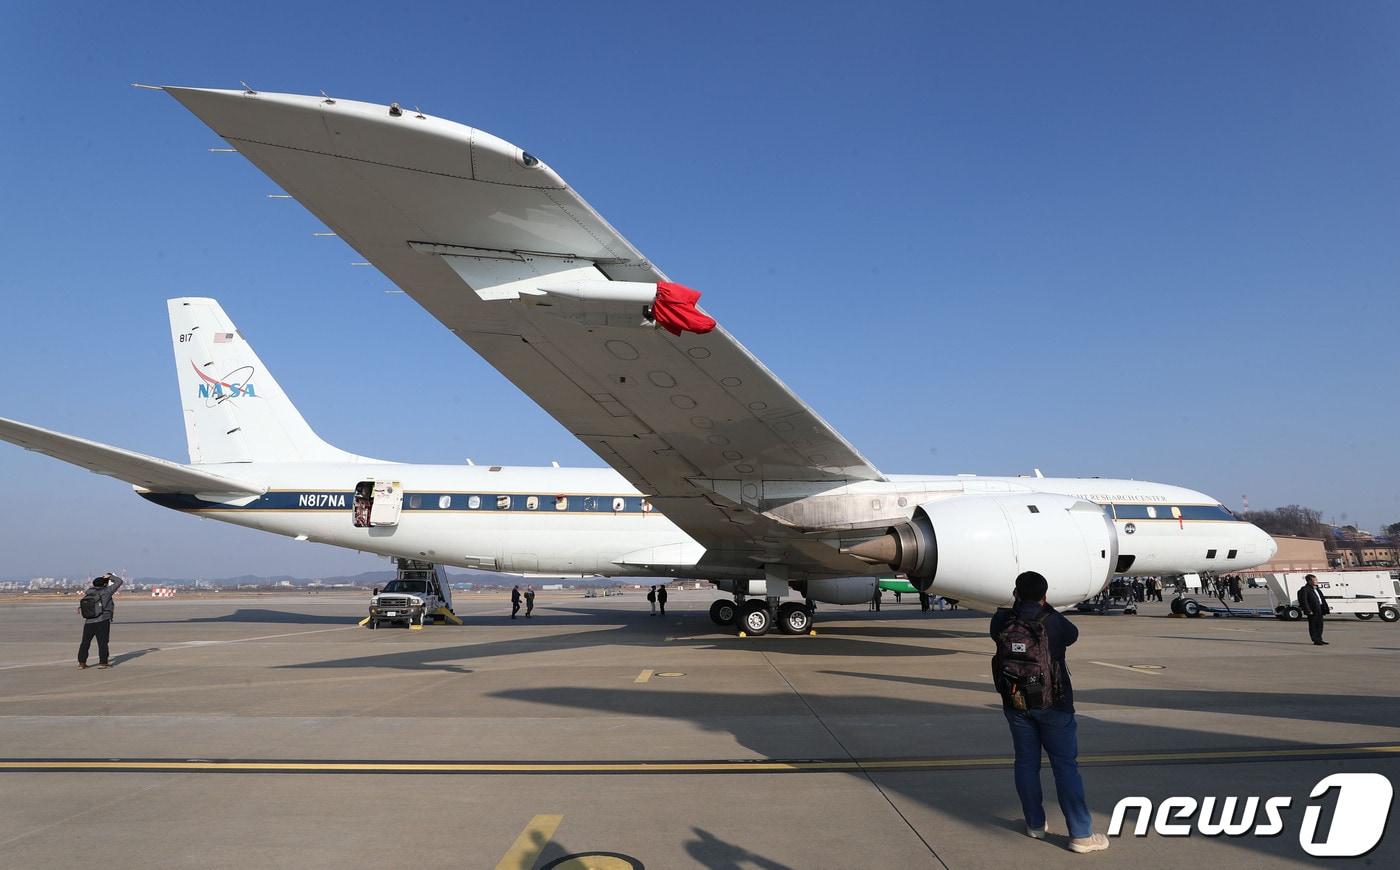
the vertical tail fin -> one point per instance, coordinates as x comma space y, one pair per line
234, 409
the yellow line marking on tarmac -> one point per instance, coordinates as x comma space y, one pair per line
1128, 668
643, 676
527, 847
819, 765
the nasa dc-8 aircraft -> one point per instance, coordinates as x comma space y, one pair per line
718, 471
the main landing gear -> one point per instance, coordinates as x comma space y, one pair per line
757, 616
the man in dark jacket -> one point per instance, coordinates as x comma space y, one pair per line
1052, 729
514, 601
99, 626
661, 599
529, 601
1314, 606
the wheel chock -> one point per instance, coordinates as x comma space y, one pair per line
743, 634
812, 633
364, 622
413, 627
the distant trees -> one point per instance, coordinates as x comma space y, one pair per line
1392, 532
1291, 520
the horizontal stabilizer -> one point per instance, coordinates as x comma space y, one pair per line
147, 472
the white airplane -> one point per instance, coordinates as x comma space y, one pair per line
718, 471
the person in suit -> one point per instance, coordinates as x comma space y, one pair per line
1314, 606
514, 601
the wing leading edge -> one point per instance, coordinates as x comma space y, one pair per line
473, 228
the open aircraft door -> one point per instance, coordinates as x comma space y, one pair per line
377, 503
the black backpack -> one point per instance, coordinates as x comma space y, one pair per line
90, 605
1022, 668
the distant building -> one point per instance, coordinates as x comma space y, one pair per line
1295, 554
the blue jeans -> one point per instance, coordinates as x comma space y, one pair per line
1058, 733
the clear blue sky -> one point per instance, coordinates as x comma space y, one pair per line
1156, 240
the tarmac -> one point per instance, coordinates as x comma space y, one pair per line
271, 731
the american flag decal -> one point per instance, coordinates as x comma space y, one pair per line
223, 337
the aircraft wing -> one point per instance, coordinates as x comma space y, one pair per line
147, 472
498, 248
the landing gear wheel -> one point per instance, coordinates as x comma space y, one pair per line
1389, 614
793, 618
1364, 616
1292, 614
1190, 607
755, 619
723, 611
1176, 605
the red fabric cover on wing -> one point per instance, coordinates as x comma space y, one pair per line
674, 310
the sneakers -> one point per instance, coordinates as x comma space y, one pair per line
1091, 843
104, 666
82, 666
1037, 833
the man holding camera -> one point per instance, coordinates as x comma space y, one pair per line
97, 609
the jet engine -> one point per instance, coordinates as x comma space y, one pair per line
972, 548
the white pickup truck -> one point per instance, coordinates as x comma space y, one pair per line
418, 593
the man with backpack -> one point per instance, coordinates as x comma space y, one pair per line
1030, 674
97, 609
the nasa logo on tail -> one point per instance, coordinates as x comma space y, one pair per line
237, 384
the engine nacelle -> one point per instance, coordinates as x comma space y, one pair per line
973, 547
842, 590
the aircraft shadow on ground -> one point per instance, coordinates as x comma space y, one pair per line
435, 657
1339, 709
763, 726
250, 614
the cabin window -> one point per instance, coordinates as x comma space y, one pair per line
532, 503
1034, 509
646, 506
474, 502
415, 501
445, 501
502, 502
619, 504
1151, 512
561, 502
1210, 554
588, 503
1231, 554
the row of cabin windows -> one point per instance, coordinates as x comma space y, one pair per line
1210, 554
1169, 512
616, 504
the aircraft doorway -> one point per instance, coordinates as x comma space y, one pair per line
377, 503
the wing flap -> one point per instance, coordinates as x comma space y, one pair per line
148, 472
